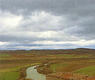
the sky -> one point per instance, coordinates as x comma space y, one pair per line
47, 24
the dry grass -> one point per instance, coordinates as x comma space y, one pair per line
58, 60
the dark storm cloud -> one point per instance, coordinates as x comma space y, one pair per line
85, 29
82, 7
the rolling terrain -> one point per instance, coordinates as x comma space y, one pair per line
79, 62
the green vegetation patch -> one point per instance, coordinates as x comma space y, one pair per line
90, 70
57, 67
5, 55
73, 56
9, 75
12, 73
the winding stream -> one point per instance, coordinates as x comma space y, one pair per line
31, 73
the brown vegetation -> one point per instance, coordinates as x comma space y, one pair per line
72, 60
70, 76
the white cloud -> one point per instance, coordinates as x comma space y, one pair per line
84, 42
41, 21
9, 21
3, 43
47, 34
39, 28
80, 42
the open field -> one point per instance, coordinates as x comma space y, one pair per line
78, 61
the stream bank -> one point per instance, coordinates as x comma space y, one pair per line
32, 73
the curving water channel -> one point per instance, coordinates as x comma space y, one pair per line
31, 73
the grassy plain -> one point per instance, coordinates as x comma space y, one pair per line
81, 61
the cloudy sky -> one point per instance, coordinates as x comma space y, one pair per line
47, 24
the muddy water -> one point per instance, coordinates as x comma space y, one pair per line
31, 73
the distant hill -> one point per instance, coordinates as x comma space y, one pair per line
59, 51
